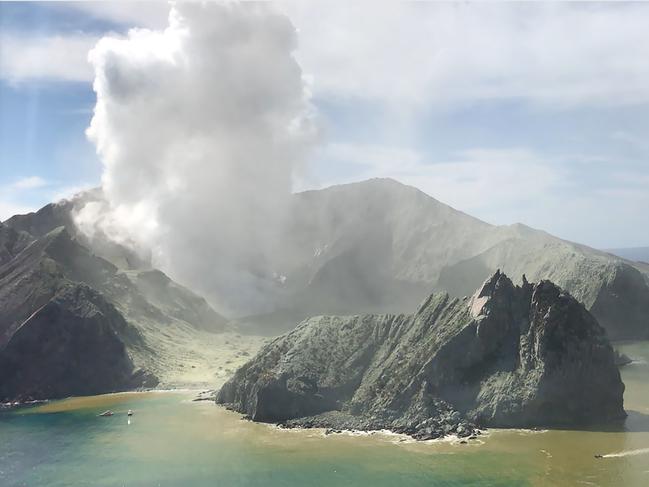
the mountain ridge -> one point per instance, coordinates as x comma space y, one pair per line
74, 323
379, 246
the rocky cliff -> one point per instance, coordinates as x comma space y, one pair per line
72, 322
514, 356
73, 345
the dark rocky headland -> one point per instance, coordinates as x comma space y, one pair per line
510, 356
75, 323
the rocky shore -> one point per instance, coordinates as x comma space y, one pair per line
510, 356
447, 423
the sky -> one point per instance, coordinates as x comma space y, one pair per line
532, 113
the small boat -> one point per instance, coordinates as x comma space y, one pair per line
599, 456
106, 413
130, 412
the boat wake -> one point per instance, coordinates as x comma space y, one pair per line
628, 453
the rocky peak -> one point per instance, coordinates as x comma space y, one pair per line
485, 293
512, 356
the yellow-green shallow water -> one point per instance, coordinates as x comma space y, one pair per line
172, 441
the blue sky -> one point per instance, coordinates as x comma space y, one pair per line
44, 152
512, 113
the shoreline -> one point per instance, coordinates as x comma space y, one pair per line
5, 406
392, 436
320, 431
464, 435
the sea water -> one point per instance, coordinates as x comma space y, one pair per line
172, 441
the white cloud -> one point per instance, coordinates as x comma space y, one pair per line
33, 192
414, 52
408, 52
10, 208
573, 196
68, 191
483, 182
407, 56
199, 128
65, 57
55, 57
496, 185
30, 182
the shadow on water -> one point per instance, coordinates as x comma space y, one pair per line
636, 422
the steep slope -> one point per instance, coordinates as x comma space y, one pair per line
153, 285
380, 246
12, 242
175, 300
34, 276
165, 320
615, 291
511, 356
73, 345
61, 214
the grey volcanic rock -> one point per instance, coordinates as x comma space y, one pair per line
73, 345
61, 214
46, 219
379, 246
34, 276
176, 300
59, 334
523, 356
12, 242
61, 305
622, 305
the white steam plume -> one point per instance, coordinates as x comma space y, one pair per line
199, 128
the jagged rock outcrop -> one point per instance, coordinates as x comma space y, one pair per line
523, 356
73, 345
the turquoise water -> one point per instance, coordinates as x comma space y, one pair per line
172, 441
